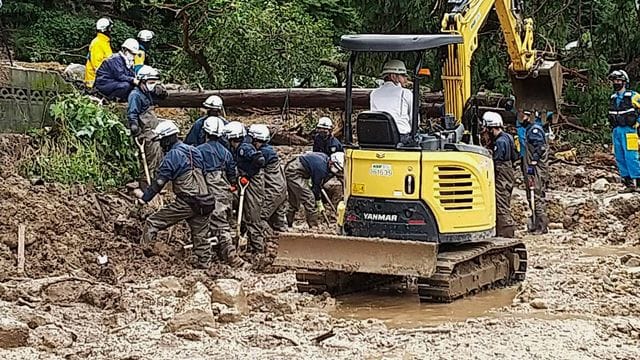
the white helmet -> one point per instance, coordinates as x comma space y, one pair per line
235, 130
165, 128
394, 67
260, 132
324, 123
492, 119
131, 45
214, 125
145, 35
213, 102
336, 162
619, 75
104, 24
146, 72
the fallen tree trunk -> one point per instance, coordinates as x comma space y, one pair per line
330, 98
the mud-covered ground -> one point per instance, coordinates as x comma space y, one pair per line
580, 299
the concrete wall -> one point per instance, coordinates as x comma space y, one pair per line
25, 96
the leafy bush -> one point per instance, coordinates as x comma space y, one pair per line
88, 143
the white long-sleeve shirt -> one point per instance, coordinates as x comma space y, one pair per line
395, 100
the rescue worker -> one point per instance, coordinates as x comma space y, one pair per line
213, 107
249, 163
142, 120
535, 170
220, 170
115, 77
319, 168
142, 57
183, 165
504, 154
323, 140
393, 98
273, 213
624, 108
99, 50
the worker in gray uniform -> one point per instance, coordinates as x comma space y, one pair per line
249, 163
274, 213
504, 154
182, 164
219, 166
319, 168
536, 171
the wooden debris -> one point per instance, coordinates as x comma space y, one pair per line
21, 238
320, 338
282, 337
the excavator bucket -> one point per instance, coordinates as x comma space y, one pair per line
541, 90
356, 254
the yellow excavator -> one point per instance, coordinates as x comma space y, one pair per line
425, 209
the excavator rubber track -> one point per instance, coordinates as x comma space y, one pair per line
468, 269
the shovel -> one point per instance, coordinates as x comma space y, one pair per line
244, 183
146, 167
532, 187
326, 197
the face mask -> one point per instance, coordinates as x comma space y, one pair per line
151, 85
617, 87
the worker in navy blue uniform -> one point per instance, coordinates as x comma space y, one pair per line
249, 163
115, 77
318, 167
504, 154
534, 166
323, 140
624, 109
184, 167
219, 167
213, 107
273, 212
141, 119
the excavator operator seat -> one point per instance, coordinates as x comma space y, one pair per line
377, 129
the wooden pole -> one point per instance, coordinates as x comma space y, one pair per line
21, 238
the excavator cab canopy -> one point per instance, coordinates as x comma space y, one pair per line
417, 44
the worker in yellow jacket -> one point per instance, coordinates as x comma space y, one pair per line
99, 50
142, 57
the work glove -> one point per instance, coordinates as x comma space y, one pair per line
244, 180
530, 170
160, 92
135, 130
320, 206
233, 188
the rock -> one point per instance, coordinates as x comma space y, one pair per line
13, 333
52, 336
194, 311
633, 262
168, 286
600, 186
190, 335
74, 72
538, 304
11, 240
35, 320
68, 291
101, 296
266, 302
230, 293
634, 272
556, 226
630, 260
230, 315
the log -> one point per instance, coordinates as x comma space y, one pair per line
330, 98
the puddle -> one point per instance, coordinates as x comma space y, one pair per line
599, 251
404, 310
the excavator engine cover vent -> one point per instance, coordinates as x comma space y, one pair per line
453, 187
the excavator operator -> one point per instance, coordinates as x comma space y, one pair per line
393, 98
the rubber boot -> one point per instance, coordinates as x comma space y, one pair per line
542, 225
637, 185
629, 186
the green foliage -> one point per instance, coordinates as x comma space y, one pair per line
45, 32
88, 143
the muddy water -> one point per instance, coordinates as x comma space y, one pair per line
610, 250
405, 310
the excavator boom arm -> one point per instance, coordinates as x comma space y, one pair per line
466, 20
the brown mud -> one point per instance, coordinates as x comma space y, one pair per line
581, 297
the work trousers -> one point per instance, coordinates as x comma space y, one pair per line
505, 225
274, 211
175, 212
626, 159
300, 193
